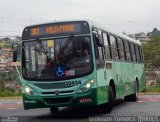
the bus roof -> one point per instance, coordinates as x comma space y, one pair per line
94, 24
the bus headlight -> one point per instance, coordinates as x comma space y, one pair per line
86, 87
29, 91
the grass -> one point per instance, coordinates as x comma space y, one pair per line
11, 98
152, 89
7, 92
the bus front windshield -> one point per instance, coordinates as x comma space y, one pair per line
56, 59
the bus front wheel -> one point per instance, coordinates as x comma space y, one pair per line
54, 110
108, 106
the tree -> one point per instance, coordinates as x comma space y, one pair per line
152, 54
2, 85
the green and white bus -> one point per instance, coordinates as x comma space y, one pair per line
78, 63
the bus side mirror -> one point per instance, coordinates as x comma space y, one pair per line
99, 40
14, 55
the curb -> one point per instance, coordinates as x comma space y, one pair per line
150, 93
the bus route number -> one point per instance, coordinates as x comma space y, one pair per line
72, 83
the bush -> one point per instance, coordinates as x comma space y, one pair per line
7, 92
158, 82
152, 89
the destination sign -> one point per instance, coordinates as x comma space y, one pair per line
55, 29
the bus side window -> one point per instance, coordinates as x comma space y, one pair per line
129, 44
128, 55
121, 49
95, 46
100, 49
133, 52
125, 56
137, 54
114, 47
99, 54
107, 47
141, 54
117, 47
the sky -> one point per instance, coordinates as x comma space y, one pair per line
129, 16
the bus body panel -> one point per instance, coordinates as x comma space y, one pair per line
139, 73
118, 79
102, 87
40, 100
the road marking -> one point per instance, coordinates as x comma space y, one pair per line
148, 100
11, 108
141, 101
19, 102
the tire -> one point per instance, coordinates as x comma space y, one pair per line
54, 110
133, 97
109, 106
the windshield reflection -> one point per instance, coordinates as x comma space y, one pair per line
57, 58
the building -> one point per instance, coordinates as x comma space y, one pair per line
143, 37
3, 62
11, 65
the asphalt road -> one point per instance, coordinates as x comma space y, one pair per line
147, 105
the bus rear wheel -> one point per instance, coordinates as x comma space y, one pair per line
54, 110
133, 97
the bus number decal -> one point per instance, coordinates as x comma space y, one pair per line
72, 83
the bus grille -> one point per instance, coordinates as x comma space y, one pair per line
51, 85
57, 100
61, 92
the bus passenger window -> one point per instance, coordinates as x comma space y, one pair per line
137, 54
99, 54
121, 49
114, 47
100, 51
128, 55
141, 53
133, 53
107, 47
131, 58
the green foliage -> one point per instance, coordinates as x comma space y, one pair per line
158, 83
152, 89
152, 54
4, 44
7, 92
155, 32
1, 84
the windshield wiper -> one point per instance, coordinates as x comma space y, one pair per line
66, 44
41, 47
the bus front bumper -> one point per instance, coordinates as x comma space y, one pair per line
83, 99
